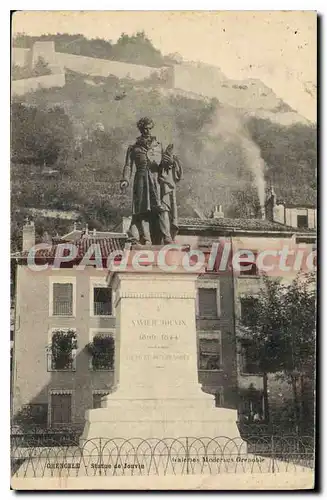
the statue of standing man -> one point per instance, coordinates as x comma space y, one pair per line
154, 207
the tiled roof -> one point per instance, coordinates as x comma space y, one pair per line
235, 225
107, 246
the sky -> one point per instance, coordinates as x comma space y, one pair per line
278, 47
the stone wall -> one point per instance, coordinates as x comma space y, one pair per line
20, 57
81, 64
199, 79
209, 81
194, 79
44, 50
102, 67
21, 87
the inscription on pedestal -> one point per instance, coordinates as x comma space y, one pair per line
149, 346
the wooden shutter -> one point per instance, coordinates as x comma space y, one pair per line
63, 299
61, 408
208, 302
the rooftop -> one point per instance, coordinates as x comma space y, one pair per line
107, 246
110, 241
237, 225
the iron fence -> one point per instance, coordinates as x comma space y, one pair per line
185, 455
289, 428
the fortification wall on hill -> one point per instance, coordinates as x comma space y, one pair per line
82, 64
209, 81
196, 79
21, 57
102, 67
21, 87
199, 79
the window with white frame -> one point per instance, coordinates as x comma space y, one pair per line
62, 296
61, 349
208, 299
101, 298
60, 407
209, 351
217, 392
101, 349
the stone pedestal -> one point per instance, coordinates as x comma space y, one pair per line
157, 391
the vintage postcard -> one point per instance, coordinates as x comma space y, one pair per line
163, 250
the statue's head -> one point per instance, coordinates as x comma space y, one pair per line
145, 125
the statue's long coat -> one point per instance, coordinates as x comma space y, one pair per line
146, 155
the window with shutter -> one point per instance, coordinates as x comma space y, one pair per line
62, 299
61, 409
209, 354
102, 301
207, 298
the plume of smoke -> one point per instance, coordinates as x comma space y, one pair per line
228, 126
257, 165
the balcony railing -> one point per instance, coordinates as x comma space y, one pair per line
62, 308
102, 309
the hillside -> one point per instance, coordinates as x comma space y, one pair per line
135, 56
231, 147
82, 131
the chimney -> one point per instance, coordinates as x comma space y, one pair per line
126, 222
270, 203
28, 235
85, 231
217, 213
46, 238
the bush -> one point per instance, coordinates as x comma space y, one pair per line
102, 349
41, 68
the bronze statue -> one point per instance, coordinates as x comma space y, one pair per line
154, 207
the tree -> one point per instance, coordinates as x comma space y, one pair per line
281, 325
290, 154
245, 204
40, 136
